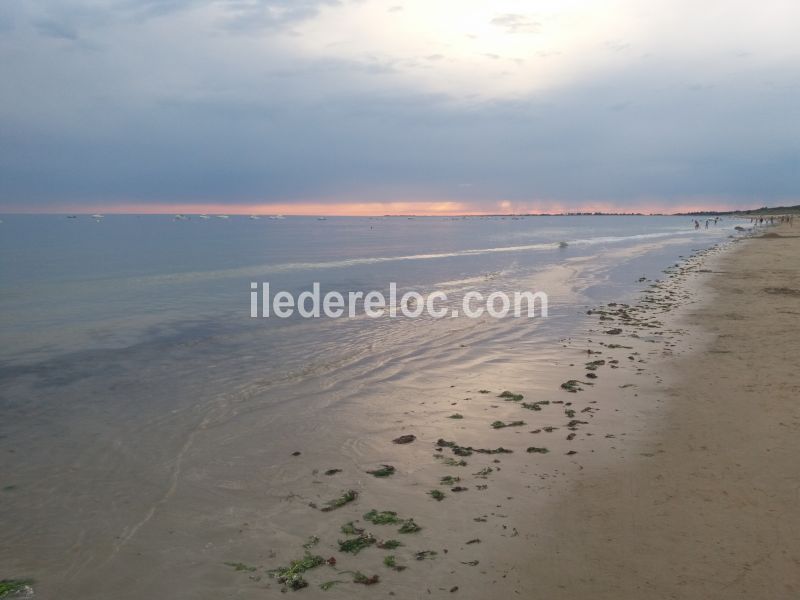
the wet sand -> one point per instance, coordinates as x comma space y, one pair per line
668, 473
707, 507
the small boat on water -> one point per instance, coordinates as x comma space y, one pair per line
223, 217
204, 216
322, 218
254, 217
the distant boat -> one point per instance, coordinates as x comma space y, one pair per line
204, 216
72, 216
322, 218
97, 217
277, 217
562, 244
223, 217
254, 217
181, 218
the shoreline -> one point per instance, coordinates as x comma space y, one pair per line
240, 504
708, 507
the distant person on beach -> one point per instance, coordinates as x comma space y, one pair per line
696, 224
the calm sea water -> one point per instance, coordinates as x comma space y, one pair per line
75, 285
144, 413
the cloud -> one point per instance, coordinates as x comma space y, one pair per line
243, 15
55, 29
169, 107
516, 23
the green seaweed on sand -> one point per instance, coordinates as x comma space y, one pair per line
455, 448
359, 577
510, 396
346, 498
425, 554
384, 471
499, 450
450, 461
437, 495
384, 517
573, 385
292, 575
592, 366
501, 425
484, 472
409, 526
330, 472
237, 566
356, 545
456, 416
574, 424
484, 391
535, 450
391, 562
311, 542
570, 413
468, 450
449, 480
389, 544
350, 529
14, 586
535, 405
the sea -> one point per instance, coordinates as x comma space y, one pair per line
140, 401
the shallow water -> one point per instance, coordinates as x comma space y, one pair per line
141, 400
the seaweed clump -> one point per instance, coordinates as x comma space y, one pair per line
535, 405
409, 526
292, 575
359, 577
437, 495
501, 425
574, 386
346, 498
384, 517
510, 396
391, 562
384, 471
357, 544
9, 587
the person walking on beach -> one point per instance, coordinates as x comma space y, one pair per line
696, 224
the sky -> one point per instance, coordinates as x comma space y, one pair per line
398, 106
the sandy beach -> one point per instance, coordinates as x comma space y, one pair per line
708, 507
